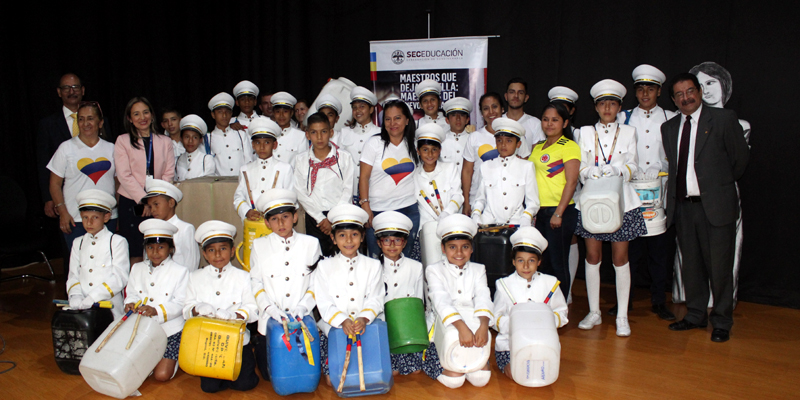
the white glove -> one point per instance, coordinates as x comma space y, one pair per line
205, 310
651, 173
638, 175
476, 216
75, 302
610, 170
299, 311
86, 303
443, 215
524, 221
275, 313
225, 314
594, 172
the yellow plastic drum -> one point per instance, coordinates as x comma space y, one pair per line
252, 231
212, 348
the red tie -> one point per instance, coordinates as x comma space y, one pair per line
683, 157
326, 163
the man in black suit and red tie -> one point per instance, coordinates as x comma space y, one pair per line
708, 154
55, 129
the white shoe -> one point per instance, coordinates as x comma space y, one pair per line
623, 327
592, 319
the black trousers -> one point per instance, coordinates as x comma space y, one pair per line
247, 375
653, 253
555, 260
325, 241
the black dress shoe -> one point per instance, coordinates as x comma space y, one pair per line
613, 310
684, 325
720, 335
663, 312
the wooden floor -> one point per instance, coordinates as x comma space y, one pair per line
759, 362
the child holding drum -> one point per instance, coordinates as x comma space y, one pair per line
222, 291
459, 297
402, 276
524, 285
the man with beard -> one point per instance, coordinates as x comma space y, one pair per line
516, 96
703, 201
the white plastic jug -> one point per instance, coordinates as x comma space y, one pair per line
452, 356
651, 193
602, 204
339, 88
118, 372
535, 348
430, 244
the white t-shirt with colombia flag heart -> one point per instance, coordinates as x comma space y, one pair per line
391, 185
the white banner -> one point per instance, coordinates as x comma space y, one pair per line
458, 64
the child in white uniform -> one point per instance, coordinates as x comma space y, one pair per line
456, 111
480, 148
222, 291
291, 141
349, 285
263, 174
163, 198
456, 285
331, 107
526, 284
445, 198
99, 264
356, 132
430, 101
194, 162
246, 93
402, 276
281, 266
162, 282
230, 148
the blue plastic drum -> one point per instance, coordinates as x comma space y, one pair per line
289, 370
376, 358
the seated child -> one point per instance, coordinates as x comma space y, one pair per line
163, 198
456, 286
194, 162
349, 286
222, 291
526, 284
98, 264
162, 283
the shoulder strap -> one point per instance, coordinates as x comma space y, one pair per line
207, 143
628, 116
111, 247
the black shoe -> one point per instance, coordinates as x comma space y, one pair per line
684, 325
613, 310
720, 335
663, 312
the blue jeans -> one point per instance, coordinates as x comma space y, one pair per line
411, 212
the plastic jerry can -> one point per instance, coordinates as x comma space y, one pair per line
117, 372
73, 332
602, 204
290, 372
535, 348
493, 250
376, 359
252, 231
454, 357
405, 320
212, 348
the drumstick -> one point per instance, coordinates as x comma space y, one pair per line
436, 191
360, 364
552, 291
498, 227
285, 327
135, 327
99, 304
305, 329
346, 363
422, 192
124, 318
275, 181
249, 192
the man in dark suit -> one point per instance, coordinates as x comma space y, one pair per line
707, 154
55, 129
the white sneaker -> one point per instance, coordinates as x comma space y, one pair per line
623, 327
592, 319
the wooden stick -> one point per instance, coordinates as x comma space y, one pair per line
346, 363
275, 181
249, 192
436, 191
124, 318
492, 228
422, 192
285, 328
305, 329
135, 327
360, 364
549, 295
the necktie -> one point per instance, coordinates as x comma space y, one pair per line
683, 156
76, 130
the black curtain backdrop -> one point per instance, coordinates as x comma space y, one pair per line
183, 54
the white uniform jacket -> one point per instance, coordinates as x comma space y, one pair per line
187, 252
228, 289
507, 182
261, 174
402, 278
178, 149
649, 148
165, 289
447, 177
291, 142
352, 141
453, 149
451, 288
194, 165
440, 120
99, 267
279, 274
348, 288
624, 155
244, 120
334, 185
522, 291
231, 150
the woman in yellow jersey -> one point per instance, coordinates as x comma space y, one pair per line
557, 160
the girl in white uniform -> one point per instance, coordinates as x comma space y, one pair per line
194, 162
99, 263
281, 266
402, 276
445, 198
356, 132
609, 149
457, 111
162, 282
430, 101
349, 285
457, 286
524, 285
222, 291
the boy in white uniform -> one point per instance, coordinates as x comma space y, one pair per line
291, 141
445, 198
171, 122
246, 93
263, 174
230, 148
99, 264
331, 107
429, 96
194, 162
457, 111
281, 266
507, 181
163, 198
361, 128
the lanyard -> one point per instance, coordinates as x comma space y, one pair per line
150, 156
599, 150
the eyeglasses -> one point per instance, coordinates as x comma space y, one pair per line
392, 241
68, 87
688, 92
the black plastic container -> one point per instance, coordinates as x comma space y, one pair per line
73, 332
493, 249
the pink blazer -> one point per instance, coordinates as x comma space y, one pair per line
132, 163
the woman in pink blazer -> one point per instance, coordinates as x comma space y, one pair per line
138, 154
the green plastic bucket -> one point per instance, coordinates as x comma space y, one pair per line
408, 332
